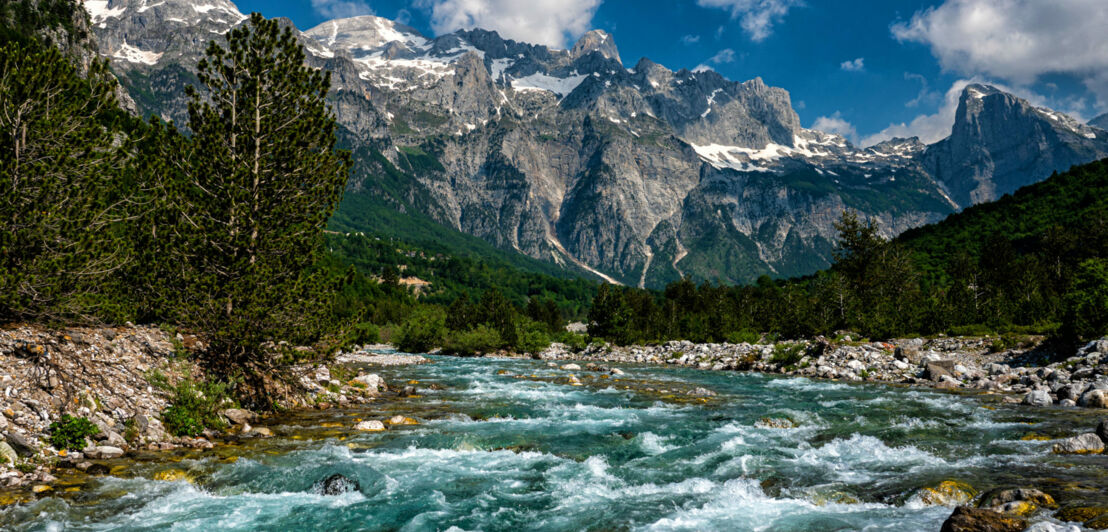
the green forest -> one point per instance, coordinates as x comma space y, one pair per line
226, 227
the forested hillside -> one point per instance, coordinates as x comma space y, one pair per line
1033, 261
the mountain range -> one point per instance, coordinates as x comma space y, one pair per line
638, 175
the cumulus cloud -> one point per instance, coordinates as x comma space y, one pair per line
854, 65
690, 39
936, 126
926, 95
836, 124
756, 17
549, 22
725, 55
1017, 40
341, 8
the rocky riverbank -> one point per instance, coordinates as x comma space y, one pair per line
122, 380
1024, 373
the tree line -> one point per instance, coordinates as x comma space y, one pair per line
1032, 262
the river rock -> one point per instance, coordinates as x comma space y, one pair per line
21, 444
1038, 398
1088, 443
966, 519
1102, 430
571, 367
938, 369
1094, 399
104, 452
237, 416
615, 371
7, 454
402, 420
1003, 497
373, 383
336, 485
370, 426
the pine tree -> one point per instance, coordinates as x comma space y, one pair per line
60, 205
264, 178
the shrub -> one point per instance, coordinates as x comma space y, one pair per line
70, 432
423, 331
532, 341
481, 339
362, 334
195, 407
787, 354
745, 336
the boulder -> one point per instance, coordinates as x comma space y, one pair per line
702, 392
615, 371
1088, 443
407, 391
1002, 498
402, 420
946, 493
373, 383
1094, 399
370, 426
237, 416
938, 369
966, 519
1038, 398
1102, 430
336, 485
22, 445
7, 454
571, 367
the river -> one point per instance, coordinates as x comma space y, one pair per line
512, 445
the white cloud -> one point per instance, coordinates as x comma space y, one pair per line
549, 22
926, 95
854, 65
836, 124
725, 55
936, 126
341, 8
756, 17
1017, 40
690, 39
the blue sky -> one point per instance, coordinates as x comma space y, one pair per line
868, 70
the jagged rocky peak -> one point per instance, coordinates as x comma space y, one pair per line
596, 41
182, 11
904, 147
366, 33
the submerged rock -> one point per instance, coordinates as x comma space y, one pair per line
1088, 443
966, 519
336, 485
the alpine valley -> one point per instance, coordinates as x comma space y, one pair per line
638, 175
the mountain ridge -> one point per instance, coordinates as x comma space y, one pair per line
641, 175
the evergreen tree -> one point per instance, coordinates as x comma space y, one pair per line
263, 180
60, 205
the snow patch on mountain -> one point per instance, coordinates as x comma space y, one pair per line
543, 82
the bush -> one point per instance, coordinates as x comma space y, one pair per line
70, 432
787, 354
481, 339
362, 334
532, 341
745, 336
423, 331
195, 407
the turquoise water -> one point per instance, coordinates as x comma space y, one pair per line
499, 452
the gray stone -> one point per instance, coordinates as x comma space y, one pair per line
7, 454
22, 445
237, 416
1102, 430
1088, 443
1038, 398
104, 452
336, 485
1094, 399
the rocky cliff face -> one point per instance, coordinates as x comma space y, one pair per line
640, 175
1000, 143
1100, 121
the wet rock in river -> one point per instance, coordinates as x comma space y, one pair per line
571, 367
1088, 443
1094, 399
966, 519
1102, 430
946, 493
1038, 398
1034, 496
370, 426
336, 485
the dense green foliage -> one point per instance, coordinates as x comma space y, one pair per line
70, 432
194, 407
1029, 262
